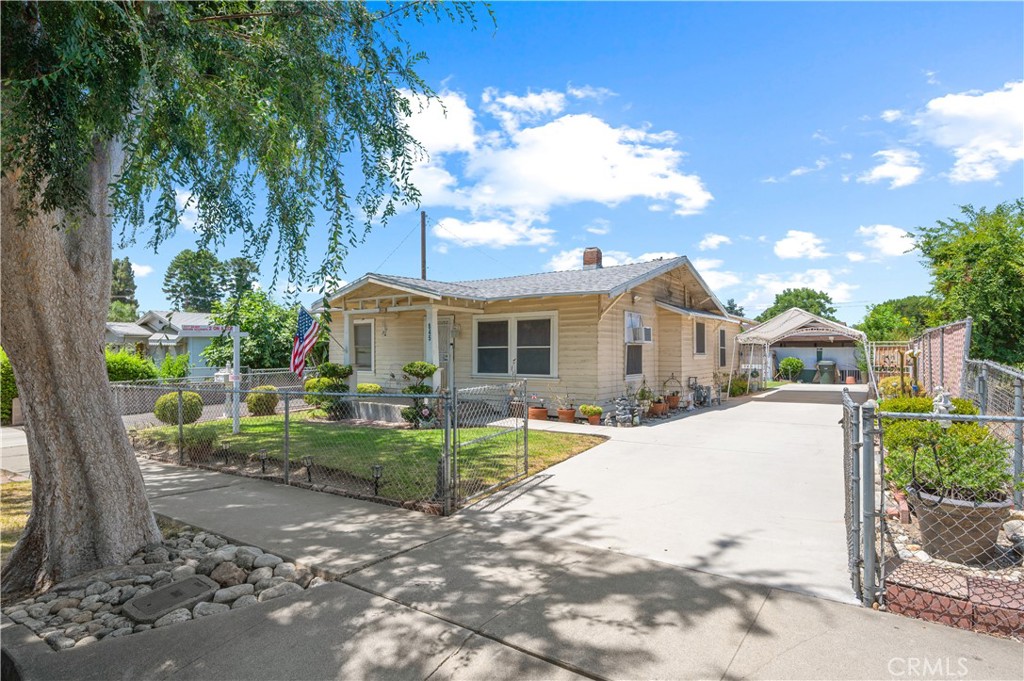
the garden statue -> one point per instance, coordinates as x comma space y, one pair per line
941, 404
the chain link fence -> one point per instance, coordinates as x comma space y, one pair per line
942, 354
490, 435
851, 463
431, 452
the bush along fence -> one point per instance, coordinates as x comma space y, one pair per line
432, 452
934, 502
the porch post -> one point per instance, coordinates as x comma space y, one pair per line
346, 355
431, 352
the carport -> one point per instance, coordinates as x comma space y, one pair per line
821, 344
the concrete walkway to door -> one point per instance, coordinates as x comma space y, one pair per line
751, 490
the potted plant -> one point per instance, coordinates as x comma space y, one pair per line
672, 399
644, 396
659, 407
566, 409
537, 411
592, 412
959, 483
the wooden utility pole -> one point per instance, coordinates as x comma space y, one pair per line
423, 244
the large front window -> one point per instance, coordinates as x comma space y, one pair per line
519, 345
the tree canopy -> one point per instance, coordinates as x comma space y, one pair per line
898, 319
271, 328
193, 281
977, 267
815, 302
732, 308
214, 103
122, 282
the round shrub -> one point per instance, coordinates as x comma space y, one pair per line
166, 408
262, 401
127, 366
591, 410
890, 387
369, 389
420, 370
790, 367
738, 387
335, 406
418, 389
332, 370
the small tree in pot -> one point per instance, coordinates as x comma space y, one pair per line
960, 486
592, 412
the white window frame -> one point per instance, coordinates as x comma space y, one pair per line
513, 341
703, 324
373, 344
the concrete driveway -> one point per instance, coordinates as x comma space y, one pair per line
752, 490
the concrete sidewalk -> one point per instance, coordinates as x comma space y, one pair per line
427, 597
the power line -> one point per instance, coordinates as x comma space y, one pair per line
395, 249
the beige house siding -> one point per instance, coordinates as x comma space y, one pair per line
590, 340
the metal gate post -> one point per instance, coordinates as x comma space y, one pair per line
181, 430
868, 501
287, 448
1018, 441
983, 390
446, 454
856, 442
526, 432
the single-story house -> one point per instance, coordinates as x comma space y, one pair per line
588, 334
169, 333
806, 336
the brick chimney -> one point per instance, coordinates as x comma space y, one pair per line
592, 258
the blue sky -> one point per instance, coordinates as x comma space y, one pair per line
776, 145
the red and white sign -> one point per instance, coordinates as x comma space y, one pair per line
204, 327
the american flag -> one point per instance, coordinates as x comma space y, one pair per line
304, 341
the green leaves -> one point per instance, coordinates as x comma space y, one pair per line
303, 104
815, 302
977, 266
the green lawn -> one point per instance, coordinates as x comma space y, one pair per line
15, 506
409, 456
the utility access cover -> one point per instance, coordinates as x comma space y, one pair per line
150, 607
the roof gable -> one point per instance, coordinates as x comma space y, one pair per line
793, 322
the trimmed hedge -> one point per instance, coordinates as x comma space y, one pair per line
336, 407
166, 408
332, 370
369, 389
8, 390
262, 401
127, 366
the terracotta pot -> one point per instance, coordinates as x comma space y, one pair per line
567, 415
594, 420
538, 413
850, 380
659, 408
959, 531
673, 401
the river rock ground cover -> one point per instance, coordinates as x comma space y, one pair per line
90, 608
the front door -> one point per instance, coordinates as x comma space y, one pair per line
444, 359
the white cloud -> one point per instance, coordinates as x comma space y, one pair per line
542, 158
141, 271
820, 164
900, 166
891, 115
188, 211
983, 130
771, 284
712, 241
708, 268
496, 233
442, 125
514, 110
855, 256
800, 244
819, 136
599, 226
886, 240
589, 92
572, 259
931, 77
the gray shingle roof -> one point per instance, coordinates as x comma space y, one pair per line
607, 280
180, 319
127, 329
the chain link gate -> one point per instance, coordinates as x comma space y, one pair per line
490, 446
851, 471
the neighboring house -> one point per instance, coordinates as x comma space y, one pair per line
126, 335
806, 336
586, 333
169, 333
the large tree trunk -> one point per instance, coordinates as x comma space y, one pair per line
89, 507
